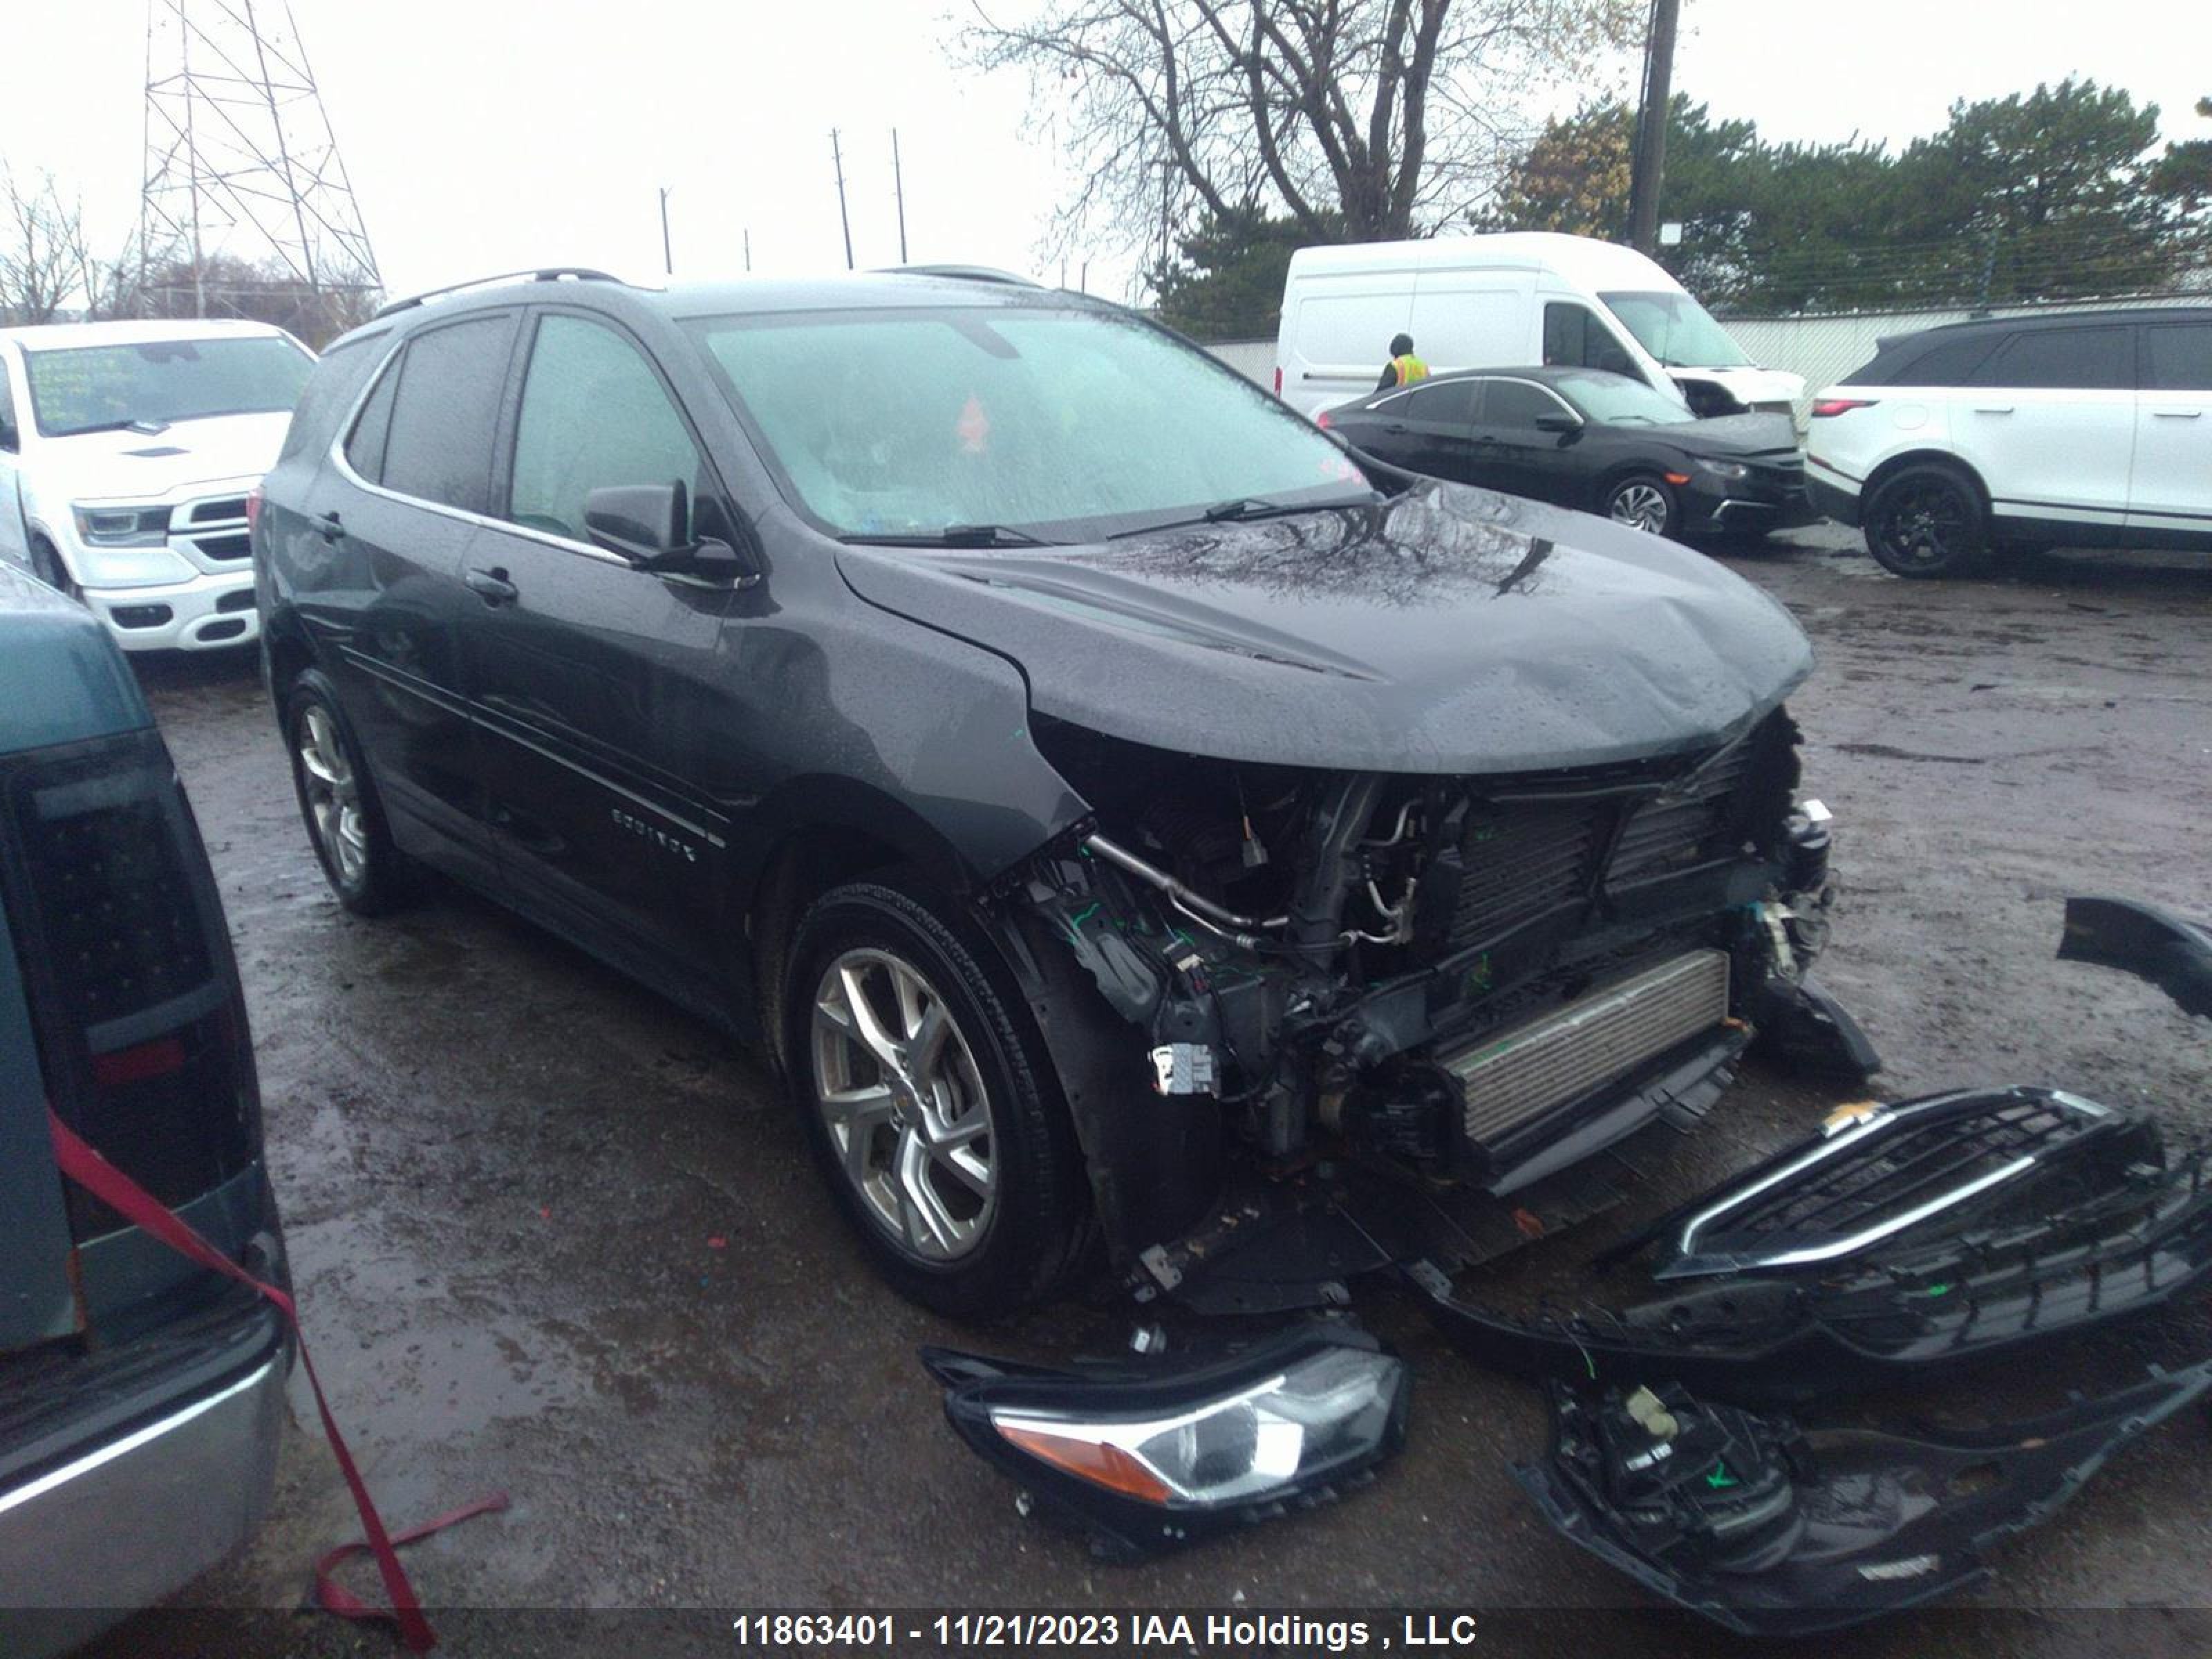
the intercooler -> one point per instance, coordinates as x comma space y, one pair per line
1566, 1053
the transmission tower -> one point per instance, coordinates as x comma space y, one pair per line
240, 161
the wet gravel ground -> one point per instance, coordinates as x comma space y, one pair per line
556, 1237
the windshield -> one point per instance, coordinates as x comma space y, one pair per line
86, 388
1065, 425
1676, 330
1616, 400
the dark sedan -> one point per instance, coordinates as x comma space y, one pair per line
1585, 438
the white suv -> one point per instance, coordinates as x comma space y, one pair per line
127, 454
2086, 429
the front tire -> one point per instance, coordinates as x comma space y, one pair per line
1928, 521
1644, 501
47, 565
930, 1104
338, 802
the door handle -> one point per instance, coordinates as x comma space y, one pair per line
492, 585
1393, 426
1992, 409
329, 528
2177, 414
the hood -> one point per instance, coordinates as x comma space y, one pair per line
174, 462
1769, 435
1449, 631
1749, 385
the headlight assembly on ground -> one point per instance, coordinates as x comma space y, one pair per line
1147, 1458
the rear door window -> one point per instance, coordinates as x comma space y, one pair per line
593, 414
444, 410
1946, 364
2177, 357
1450, 403
2078, 359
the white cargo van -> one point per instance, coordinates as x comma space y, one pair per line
1517, 299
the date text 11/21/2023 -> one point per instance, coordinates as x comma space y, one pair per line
1184, 1631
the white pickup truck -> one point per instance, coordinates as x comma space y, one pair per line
127, 451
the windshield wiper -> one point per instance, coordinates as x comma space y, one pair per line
1242, 508
955, 535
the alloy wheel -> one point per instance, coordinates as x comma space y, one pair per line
1928, 524
905, 1107
1642, 505
333, 795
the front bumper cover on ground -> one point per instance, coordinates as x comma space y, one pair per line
2098, 1222
1772, 1529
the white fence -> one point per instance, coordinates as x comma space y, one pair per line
1254, 359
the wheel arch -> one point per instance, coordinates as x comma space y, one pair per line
828, 832
286, 654
1946, 459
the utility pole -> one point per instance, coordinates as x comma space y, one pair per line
898, 186
749, 250
667, 258
1167, 177
1650, 164
837, 157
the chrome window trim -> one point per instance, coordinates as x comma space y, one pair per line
337, 457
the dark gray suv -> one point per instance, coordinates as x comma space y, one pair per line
1108, 799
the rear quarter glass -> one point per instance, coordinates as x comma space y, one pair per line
331, 392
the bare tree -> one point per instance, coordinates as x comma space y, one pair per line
42, 250
1357, 118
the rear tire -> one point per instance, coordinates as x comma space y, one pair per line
928, 1099
338, 802
1928, 521
1644, 501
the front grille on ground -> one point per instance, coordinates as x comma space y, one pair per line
1876, 1178
1562, 1056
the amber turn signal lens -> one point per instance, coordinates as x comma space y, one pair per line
1090, 1460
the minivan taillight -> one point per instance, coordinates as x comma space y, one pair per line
1321, 420
1279, 380
142, 1029
1827, 406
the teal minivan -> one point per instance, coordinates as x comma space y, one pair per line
141, 1398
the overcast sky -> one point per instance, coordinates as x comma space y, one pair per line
485, 134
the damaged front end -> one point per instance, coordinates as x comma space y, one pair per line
1457, 983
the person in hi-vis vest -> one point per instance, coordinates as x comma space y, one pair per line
1404, 367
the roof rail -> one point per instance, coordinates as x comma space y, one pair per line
537, 274
962, 273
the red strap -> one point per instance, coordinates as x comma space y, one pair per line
82, 1164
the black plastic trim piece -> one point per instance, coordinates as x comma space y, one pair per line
1870, 1523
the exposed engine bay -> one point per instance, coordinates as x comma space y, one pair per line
1450, 981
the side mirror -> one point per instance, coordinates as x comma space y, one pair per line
1561, 423
650, 524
